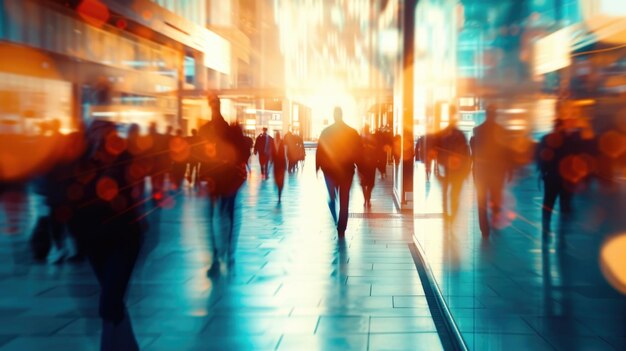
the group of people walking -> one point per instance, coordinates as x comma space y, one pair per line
97, 190
491, 160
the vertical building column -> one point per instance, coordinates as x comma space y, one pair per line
408, 61
180, 72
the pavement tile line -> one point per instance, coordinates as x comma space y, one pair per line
448, 331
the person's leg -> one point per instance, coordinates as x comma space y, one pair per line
232, 233
455, 195
118, 266
280, 183
550, 193
495, 197
344, 202
332, 188
481, 198
445, 185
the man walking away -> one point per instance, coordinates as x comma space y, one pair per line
338, 152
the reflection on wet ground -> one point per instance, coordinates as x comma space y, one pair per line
517, 290
293, 286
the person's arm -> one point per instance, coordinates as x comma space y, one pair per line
256, 145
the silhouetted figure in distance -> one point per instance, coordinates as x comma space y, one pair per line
264, 147
280, 164
367, 168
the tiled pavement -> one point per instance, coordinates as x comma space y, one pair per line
294, 286
516, 292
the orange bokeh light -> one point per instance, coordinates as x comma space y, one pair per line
612, 144
179, 149
573, 168
613, 262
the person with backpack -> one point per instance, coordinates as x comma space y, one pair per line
453, 164
224, 158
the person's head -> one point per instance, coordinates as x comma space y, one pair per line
264, 130
168, 130
153, 128
179, 132
338, 114
194, 132
214, 105
491, 112
133, 131
277, 135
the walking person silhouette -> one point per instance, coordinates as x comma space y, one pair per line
338, 152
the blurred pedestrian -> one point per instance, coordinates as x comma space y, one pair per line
426, 153
105, 220
291, 147
339, 150
367, 168
453, 164
264, 147
491, 166
561, 168
226, 152
280, 164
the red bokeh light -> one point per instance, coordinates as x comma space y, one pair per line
93, 12
107, 189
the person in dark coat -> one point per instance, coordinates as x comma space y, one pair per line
264, 147
558, 157
105, 219
453, 163
226, 152
338, 152
291, 146
280, 164
367, 169
490, 158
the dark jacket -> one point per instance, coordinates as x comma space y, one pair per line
339, 150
